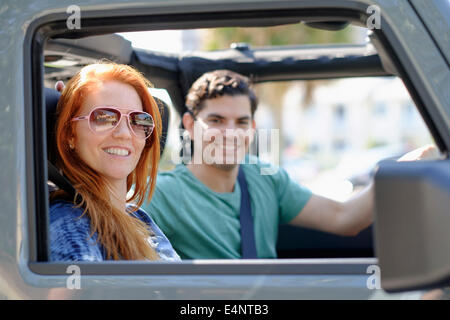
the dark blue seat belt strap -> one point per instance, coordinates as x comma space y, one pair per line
246, 219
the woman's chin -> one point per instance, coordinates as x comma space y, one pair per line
117, 176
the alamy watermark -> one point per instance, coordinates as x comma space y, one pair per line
74, 20
74, 280
374, 20
374, 280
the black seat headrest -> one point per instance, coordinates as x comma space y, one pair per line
164, 111
51, 101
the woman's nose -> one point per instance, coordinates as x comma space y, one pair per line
123, 129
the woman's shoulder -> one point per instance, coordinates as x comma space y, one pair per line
158, 239
142, 215
61, 209
70, 234
139, 213
68, 217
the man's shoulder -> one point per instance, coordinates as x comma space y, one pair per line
256, 166
265, 174
168, 178
176, 172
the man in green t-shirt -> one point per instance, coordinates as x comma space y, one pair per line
197, 205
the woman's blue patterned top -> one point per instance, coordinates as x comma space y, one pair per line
70, 238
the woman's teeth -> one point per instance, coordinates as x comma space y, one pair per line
117, 151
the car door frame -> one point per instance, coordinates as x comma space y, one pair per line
260, 277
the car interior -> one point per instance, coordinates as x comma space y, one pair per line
175, 72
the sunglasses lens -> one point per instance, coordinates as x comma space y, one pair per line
142, 124
104, 119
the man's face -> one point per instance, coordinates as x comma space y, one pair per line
225, 127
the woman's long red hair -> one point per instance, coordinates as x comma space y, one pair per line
121, 235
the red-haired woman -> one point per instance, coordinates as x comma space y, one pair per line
107, 140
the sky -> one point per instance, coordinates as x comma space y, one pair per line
165, 40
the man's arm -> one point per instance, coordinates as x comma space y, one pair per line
341, 218
354, 215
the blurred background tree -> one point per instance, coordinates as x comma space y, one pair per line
293, 34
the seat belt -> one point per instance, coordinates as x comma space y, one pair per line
247, 230
59, 180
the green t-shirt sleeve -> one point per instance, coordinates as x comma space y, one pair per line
292, 196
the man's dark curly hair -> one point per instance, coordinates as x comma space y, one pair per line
218, 83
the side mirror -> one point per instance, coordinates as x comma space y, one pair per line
412, 224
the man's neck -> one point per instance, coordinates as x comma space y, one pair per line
218, 180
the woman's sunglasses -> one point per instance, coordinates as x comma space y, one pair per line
105, 119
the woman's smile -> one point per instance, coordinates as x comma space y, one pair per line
113, 154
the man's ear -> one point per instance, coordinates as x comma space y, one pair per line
59, 86
252, 136
188, 123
